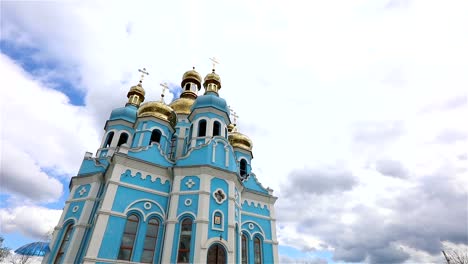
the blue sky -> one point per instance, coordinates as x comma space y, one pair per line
362, 102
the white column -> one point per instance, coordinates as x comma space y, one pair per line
171, 221
202, 219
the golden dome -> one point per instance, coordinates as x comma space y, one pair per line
137, 89
212, 77
136, 95
239, 140
182, 105
159, 110
192, 76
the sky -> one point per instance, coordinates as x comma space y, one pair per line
356, 109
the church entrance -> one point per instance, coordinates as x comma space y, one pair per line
216, 255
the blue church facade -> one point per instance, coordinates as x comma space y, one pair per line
168, 184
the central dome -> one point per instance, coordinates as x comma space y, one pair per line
182, 105
159, 110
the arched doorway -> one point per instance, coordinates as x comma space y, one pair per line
216, 255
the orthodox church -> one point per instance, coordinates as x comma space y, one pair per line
168, 184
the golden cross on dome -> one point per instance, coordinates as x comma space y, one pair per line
234, 115
143, 73
165, 86
215, 61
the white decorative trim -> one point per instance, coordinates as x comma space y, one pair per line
129, 207
188, 202
221, 192
251, 226
255, 203
147, 205
75, 208
258, 216
139, 188
262, 233
189, 183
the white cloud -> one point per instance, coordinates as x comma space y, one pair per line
32, 221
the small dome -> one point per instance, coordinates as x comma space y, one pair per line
158, 110
192, 76
137, 89
212, 78
211, 100
128, 113
182, 105
239, 140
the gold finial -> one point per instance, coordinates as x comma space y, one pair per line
165, 86
143, 73
233, 114
215, 61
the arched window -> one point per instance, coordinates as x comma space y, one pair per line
244, 249
184, 241
128, 238
122, 139
202, 128
257, 251
225, 133
173, 146
216, 129
64, 244
187, 87
108, 142
155, 136
243, 167
190, 131
151, 239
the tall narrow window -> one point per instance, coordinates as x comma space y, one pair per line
173, 146
155, 136
216, 129
244, 249
184, 241
243, 167
150, 241
202, 128
187, 87
128, 238
257, 251
110, 136
64, 245
122, 139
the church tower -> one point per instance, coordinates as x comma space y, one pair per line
168, 184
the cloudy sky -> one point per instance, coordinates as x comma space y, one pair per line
357, 110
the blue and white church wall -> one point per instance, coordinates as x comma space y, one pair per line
135, 188
77, 213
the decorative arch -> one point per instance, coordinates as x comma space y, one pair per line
130, 232
156, 136
252, 229
65, 236
108, 141
216, 254
123, 138
186, 238
243, 167
202, 127
217, 220
152, 207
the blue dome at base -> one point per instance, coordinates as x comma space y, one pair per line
128, 113
34, 249
211, 100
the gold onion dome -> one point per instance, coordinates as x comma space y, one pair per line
137, 89
183, 104
191, 76
214, 78
159, 110
239, 140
